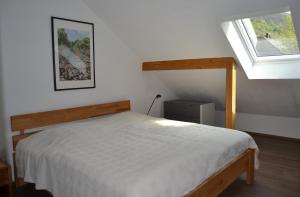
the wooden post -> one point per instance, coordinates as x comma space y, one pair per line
230, 95
207, 63
250, 170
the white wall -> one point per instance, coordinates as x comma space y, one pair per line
2, 136
28, 69
154, 30
271, 125
176, 29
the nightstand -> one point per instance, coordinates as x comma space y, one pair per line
5, 177
190, 111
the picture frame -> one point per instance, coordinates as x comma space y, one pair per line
73, 54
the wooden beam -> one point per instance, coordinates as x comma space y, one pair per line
230, 95
207, 63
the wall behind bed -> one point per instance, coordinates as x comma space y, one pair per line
28, 69
2, 136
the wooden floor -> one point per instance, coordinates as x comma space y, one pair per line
278, 175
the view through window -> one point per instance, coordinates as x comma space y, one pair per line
272, 35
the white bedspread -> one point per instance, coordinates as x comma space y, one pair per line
126, 155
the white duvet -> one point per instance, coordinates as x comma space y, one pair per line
126, 155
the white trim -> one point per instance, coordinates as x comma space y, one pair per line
238, 46
268, 69
282, 58
250, 48
251, 51
266, 124
246, 40
254, 14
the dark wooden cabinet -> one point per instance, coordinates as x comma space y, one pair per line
190, 111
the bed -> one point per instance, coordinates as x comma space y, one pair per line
106, 150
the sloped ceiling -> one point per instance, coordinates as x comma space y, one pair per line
176, 29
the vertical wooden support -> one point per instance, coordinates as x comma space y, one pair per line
18, 181
10, 192
208, 63
230, 95
250, 170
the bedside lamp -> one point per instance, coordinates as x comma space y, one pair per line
156, 97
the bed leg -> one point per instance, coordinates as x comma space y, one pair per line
19, 182
250, 169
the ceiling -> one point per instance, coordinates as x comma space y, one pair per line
176, 29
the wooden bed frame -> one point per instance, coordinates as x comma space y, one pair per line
212, 186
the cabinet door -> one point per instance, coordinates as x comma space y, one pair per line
188, 112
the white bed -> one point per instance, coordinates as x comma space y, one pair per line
126, 155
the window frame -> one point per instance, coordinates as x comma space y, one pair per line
244, 36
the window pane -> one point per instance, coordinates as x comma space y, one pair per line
272, 35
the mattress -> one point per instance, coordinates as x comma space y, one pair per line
126, 155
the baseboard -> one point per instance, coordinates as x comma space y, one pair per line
266, 124
273, 136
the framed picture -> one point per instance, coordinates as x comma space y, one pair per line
73, 54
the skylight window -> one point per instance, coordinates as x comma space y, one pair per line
270, 36
265, 45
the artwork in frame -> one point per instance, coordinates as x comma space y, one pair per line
73, 54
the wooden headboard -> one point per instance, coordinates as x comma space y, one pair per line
41, 119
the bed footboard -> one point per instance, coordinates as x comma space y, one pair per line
220, 180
